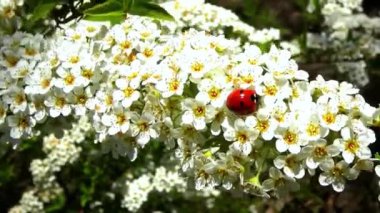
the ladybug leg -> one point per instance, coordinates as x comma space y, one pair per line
253, 97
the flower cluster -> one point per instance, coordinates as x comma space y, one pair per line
350, 34
137, 190
29, 203
142, 82
213, 19
59, 152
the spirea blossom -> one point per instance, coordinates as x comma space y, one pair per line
143, 81
350, 34
162, 181
59, 151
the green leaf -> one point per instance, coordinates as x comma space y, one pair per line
377, 155
113, 18
6, 173
111, 11
110, 6
115, 11
42, 10
127, 4
149, 9
56, 205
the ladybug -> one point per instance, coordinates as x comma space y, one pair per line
242, 101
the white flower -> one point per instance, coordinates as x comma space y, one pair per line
248, 76
243, 136
366, 111
197, 113
96, 105
73, 55
273, 90
147, 31
318, 152
16, 99
130, 75
89, 73
89, 28
352, 145
300, 94
312, 130
276, 59
74, 35
124, 42
290, 139
7, 9
186, 153
118, 121
280, 183
250, 56
212, 92
126, 93
329, 115
9, 60
289, 70
58, 104
346, 88
68, 79
280, 113
142, 128
172, 85
204, 180
22, 69
105, 100
266, 124
325, 87
37, 107
148, 52
197, 63
39, 81
20, 124
292, 165
32, 47
224, 169
78, 99
336, 174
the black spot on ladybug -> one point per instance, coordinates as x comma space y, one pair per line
241, 104
253, 97
241, 91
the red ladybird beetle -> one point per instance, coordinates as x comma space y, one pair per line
242, 101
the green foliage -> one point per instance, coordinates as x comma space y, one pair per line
377, 155
56, 205
14, 170
6, 173
115, 11
149, 9
87, 188
112, 11
40, 10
